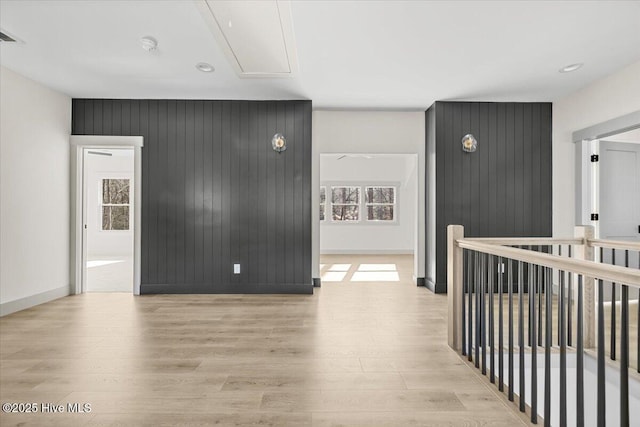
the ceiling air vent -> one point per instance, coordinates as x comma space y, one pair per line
5, 37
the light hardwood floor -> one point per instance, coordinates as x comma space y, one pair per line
356, 353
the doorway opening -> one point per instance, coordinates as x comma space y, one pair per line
108, 188
608, 188
106, 215
617, 186
368, 218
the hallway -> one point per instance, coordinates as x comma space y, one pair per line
367, 353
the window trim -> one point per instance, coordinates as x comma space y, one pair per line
362, 205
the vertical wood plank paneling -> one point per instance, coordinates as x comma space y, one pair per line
306, 194
116, 117
520, 173
503, 149
234, 212
504, 188
495, 148
242, 185
272, 237
89, 128
167, 214
107, 109
546, 163
529, 178
298, 151
207, 193
160, 211
77, 116
443, 124
97, 116
289, 182
179, 206
217, 189
249, 202
199, 211
226, 221
261, 196
154, 203
513, 158
189, 196
280, 189
536, 166
215, 193
480, 122
125, 115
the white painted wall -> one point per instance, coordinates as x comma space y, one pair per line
606, 99
362, 237
35, 123
119, 165
368, 132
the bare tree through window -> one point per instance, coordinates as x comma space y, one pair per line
115, 204
345, 203
323, 201
380, 203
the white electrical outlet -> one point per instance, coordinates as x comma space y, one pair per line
236, 268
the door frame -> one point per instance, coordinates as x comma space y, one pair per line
586, 173
78, 242
418, 242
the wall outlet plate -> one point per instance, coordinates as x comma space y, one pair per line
236, 268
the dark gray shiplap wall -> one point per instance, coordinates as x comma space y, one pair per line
502, 190
214, 193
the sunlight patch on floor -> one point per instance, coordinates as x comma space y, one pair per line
334, 276
377, 267
100, 263
340, 267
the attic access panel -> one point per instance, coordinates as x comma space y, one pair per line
256, 35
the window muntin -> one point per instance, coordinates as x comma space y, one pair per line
115, 204
345, 204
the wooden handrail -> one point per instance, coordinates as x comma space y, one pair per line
615, 244
526, 241
592, 269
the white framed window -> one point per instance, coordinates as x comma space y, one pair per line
345, 204
380, 203
323, 202
115, 204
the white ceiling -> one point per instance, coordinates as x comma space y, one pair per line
352, 54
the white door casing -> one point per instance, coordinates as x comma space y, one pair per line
78, 236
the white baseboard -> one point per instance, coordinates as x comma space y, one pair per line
366, 252
33, 300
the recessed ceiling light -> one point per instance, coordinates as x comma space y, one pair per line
570, 68
204, 67
148, 43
